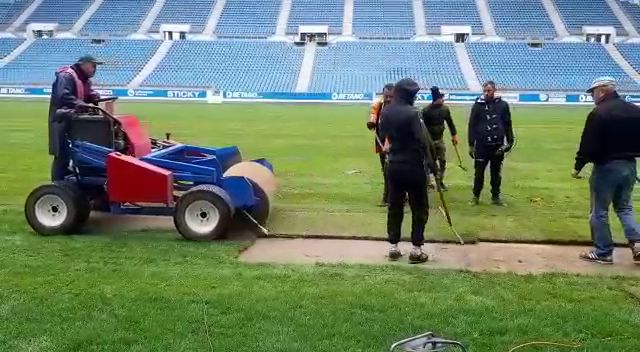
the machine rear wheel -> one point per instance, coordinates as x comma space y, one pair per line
55, 209
203, 214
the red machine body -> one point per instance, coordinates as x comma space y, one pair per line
138, 140
130, 180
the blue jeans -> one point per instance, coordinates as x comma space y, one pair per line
612, 183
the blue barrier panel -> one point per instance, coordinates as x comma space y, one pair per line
17, 91
533, 98
579, 98
177, 94
632, 98
241, 95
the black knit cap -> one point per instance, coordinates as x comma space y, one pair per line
436, 94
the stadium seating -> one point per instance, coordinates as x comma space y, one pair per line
248, 19
122, 59
7, 45
631, 53
365, 66
118, 18
63, 12
578, 13
193, 12
632, 11
555, 67
452, 13
10, 10
392, 19
245, 65
521, 19
314, 12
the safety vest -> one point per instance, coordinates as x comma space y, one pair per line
80, 91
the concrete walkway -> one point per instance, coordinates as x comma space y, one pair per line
482, 257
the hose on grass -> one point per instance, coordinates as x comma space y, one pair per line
545, 343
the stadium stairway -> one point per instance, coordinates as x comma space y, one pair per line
419, 18
622, 17
306, 69
25, 14
16, 52
216, 12
556, 19
347, 20
77, 27
283, 18
467, 68
151, 65
151, 17
485, 17
622, 62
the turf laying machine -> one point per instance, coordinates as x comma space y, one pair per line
116, 168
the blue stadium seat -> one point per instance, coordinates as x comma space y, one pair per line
632, 11
578, 13
118, 18
521, 19
380, 19
10, 10
314, 12
122, 59
366, 66
245, 65
193, 12
63, 12
631, 53
555, 67
248, 19
452, 13
7, 45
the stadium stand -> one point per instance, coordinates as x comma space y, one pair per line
193, 12
452, 13
578, 13
383, 19
63, 12
555, 67
245, 65
117, 18
122, 60
521, 19
365, 66
632, 11
314, 12
7, 45
10, 10
248, 19
631, 53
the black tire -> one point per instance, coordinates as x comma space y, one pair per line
53, 209
83, 205
260, 212
213, 199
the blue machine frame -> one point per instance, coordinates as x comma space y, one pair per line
190, 165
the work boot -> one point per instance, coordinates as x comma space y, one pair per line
394, 252
594, 258
443, 187
497, 201
635, 250
417, 255
474, 201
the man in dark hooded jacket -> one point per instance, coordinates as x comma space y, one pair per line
410, 150
70, 91
434, 116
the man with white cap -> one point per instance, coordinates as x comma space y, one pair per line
610, 140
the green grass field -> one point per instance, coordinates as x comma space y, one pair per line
154, 292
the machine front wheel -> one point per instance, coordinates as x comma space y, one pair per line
203, 214
55, 209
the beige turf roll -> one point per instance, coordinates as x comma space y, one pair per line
256, 173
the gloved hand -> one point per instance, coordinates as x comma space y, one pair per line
83, 105
371, 125
472, 152
454, 139
576, 174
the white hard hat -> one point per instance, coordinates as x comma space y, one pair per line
601, 82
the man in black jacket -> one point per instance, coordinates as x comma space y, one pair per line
70, 91
611, 141
490, 137
409, 150
434, 116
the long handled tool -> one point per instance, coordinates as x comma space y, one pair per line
445, 212
460, 165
